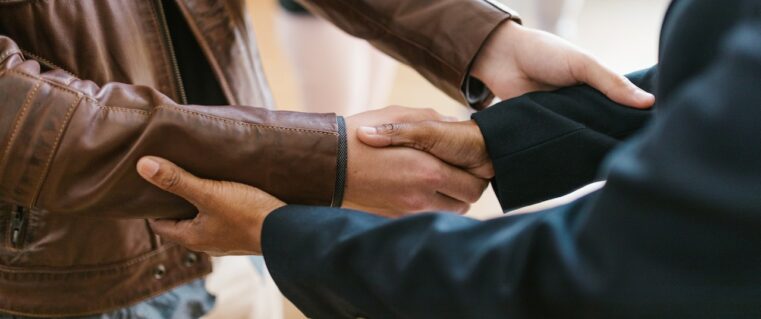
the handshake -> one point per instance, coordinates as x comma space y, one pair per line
401, 161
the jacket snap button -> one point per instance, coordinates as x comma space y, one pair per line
159, 272
191, 259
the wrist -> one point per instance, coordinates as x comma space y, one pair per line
496, 50
257, 229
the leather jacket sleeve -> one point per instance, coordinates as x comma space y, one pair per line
439, 39
70, 146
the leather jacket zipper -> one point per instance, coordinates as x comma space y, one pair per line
172, 54
19, 218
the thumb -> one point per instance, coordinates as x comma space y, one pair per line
420, 135
615, 86
172, 178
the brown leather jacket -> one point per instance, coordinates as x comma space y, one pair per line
87, 87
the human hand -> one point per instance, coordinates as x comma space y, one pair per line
458, 143
518, 60
230, 215
397, 181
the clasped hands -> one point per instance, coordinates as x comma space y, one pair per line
401, 160
421, 162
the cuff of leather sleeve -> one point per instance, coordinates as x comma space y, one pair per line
342, 159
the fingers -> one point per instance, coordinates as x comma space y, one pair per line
172, 178
420, 135
460, 143
445, 203
409, 114
615, 86
461, 185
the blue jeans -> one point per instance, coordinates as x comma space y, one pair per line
188, 301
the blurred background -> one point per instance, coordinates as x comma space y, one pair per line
312, 66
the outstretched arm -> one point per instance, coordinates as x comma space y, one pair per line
459, 45
674, 232
69, 146
535, 147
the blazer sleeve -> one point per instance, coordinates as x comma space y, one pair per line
69, 146
674, 233
548, 144
439, 39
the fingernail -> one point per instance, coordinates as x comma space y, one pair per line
148, 167
369, 130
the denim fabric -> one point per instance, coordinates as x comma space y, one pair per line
185, 302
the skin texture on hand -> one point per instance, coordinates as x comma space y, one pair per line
458, 143
398, 181
230, 215
516, 60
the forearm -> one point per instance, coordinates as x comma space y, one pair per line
341, 264
70, 146
547, 144
439, 39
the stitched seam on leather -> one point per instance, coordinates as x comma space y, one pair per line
116, 108
391, 32
56, 143
222, 119
124, 109
185, 276
46, 62
47, 81
17, 124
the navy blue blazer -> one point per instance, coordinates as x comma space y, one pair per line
675, 233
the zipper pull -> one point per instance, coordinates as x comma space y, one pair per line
17, 224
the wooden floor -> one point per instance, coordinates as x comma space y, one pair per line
623, 33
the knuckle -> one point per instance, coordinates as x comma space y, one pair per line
424, 146
389, 128
432, 176
209, 191
171, 179
395, 109
415, 203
